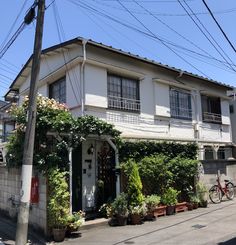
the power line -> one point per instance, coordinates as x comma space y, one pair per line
13, 25
91, 9
161, 40
222, 31
208, 34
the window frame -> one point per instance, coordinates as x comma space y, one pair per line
177, 109
58, 83
208, 110
122, 101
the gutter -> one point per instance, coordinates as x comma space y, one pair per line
82, 76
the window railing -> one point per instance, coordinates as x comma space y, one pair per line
181, 113
212, 117
121, 103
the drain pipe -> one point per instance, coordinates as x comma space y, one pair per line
117, 164
82, 72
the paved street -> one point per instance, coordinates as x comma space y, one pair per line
213, 225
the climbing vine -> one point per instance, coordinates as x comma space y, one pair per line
56, 130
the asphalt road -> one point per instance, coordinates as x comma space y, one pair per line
204, 226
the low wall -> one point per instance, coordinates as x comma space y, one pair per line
227, 170
9, 198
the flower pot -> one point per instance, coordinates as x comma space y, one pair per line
160, 211
170, 210
58, 234
150, 215
189, 206
203, 204
181, 207
121, 220
136, 219
195, 205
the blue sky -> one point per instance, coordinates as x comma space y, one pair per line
157, 29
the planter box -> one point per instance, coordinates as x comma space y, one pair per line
160, 211
181, 207
136, 219
189, 206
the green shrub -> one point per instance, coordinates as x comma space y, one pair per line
155, 174
134, 184
58, 199
120, 205
152, 202
184, 171
169, 198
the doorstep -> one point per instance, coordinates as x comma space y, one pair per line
94, 223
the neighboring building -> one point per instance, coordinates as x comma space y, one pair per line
144, 99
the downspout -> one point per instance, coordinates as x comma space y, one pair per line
116, 164
82, 72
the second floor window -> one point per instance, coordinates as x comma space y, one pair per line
57, 90
180, 104
211, 109
123, 93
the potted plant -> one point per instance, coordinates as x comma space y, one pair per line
169, 198
194, 199
119, 209
58, 203
74, 221
152, 202
202, 193
137, 213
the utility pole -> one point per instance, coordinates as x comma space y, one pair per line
26, 174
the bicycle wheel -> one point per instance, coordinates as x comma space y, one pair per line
229, 188
215, 194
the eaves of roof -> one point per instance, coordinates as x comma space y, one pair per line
119, 51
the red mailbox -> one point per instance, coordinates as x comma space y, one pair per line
34, 195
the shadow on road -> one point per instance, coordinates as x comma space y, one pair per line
229, 242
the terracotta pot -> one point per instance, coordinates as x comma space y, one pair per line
58, 234
170, 210
136, 219
181, 207
160, 211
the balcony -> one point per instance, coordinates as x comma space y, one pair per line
181, 113
121, 103
212, 117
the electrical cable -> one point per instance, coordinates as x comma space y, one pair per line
59, 27
162, 41
217, 23
207, 36
91, 9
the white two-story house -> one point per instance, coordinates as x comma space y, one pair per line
144, 99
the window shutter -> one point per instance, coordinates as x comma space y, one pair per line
162, 100
225, 112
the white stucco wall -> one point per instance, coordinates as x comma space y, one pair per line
154, 119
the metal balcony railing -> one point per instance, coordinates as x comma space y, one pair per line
121, 103
180, 112
212, 117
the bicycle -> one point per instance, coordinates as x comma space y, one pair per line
217, 191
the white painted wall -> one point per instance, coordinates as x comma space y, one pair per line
154, 119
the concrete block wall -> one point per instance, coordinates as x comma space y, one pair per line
9, 198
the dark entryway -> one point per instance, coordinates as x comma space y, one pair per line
77, 179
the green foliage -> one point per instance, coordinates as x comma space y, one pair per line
55, 118
58, 198
169, 198
140, 149
202, 192
120, 205
183, 171
75, 220
152, 201
134, 185
155, 174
